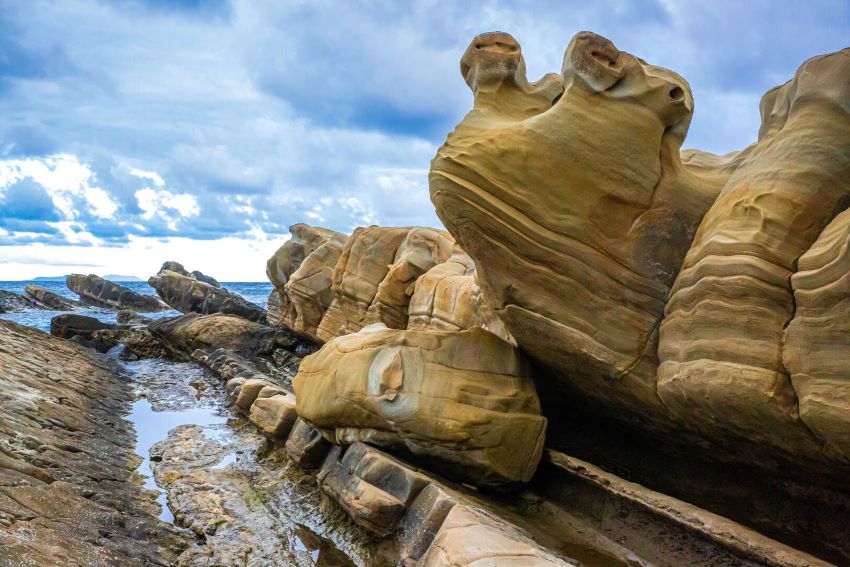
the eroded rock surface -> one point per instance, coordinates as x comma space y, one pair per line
462, 401
95, 290
50, 300
67, 490
581, 215
189, 295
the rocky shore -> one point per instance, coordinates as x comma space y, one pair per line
640, 361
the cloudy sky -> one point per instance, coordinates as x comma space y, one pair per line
138, 131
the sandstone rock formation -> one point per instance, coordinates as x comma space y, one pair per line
328, 285
302, 272
581, 215
462, 401
95, 290
721, 339
177, 267
11, 302
183, 335
49, 299
189, 295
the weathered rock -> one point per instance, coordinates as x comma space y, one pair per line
375, 276
273, 412
67, 490
189, 295
286, 260
423, 520
551, 206
12, 302
461, 401
309, 290
104, 293
177, 267
188, 333
720, 344
249, 391
306, 446
128, 317
50, 300
372, 487
469, 539
581, 216
444, 297
816, 350
103, 337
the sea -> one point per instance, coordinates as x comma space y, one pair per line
255, 292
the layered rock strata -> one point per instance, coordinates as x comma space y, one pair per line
67, 494
462, 401
97, 291
189, 295
654, 285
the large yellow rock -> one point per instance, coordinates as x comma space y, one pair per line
572, 199
302, 273
655, 284
461, 401
721, 339
375, 276
444, 297
817, 341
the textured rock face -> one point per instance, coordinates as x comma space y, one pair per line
190, 332
189, 295
444, 297
721, 339
817, 341
98, 291
49, 299
200, 276
375, 276
552, 205
462, 401
581, 215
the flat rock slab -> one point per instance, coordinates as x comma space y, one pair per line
68, 494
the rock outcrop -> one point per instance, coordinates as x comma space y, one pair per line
189, 295
49, 299
177, 267
67, 490
11, 302
302, 271
188, 333
461, 401
581, 215
135, 341
95, 290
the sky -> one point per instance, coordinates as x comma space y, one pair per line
138, 131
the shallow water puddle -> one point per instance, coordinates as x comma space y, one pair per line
153, 426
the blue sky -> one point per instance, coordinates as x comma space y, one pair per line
139, 131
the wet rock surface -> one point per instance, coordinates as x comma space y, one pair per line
68, 491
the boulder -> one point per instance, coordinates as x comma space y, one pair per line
11, 302
273, 412
103, 337
50, 300
304, 240
97, 291
463, 402
68, 325
177, 267
444, 297
306, 446
188, 295
183, 335
372, 487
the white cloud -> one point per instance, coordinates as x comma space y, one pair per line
66, 179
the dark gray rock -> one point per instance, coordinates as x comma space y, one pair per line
190, 295
97, 291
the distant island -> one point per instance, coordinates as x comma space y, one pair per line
110, 277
